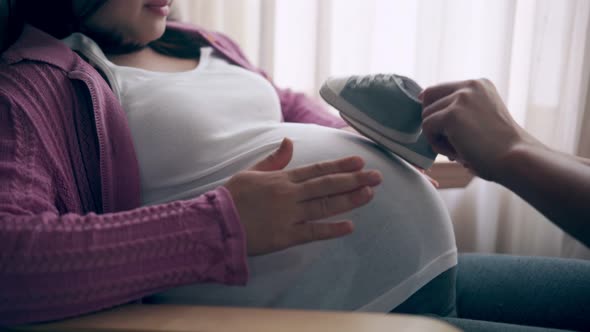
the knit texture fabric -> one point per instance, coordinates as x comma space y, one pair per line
73, 238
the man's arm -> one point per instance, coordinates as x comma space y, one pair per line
555, 184
468, 121
582, 160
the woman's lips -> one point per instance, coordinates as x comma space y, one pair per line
157, 3
158, 7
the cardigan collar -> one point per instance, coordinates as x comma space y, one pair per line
36, 45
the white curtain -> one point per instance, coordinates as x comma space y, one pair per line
536, 52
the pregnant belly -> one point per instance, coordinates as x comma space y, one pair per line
403, 238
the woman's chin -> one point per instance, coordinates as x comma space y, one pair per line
148, 36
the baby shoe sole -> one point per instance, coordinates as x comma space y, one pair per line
404, 152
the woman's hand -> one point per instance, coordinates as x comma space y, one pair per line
277, 207
468, 121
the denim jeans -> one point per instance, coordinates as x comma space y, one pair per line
508, 293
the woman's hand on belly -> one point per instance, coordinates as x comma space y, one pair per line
277, 207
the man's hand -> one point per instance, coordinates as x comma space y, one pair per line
469, 122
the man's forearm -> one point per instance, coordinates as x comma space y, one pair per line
556, 185
579, 159
584, 161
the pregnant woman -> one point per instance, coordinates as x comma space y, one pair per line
200, 119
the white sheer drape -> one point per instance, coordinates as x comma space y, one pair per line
536, 52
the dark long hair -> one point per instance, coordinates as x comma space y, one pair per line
11, 26
60, 18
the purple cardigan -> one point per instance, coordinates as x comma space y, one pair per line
73, 237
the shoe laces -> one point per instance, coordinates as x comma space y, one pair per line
368, 81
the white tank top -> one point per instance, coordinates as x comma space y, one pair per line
193, 130
189, 127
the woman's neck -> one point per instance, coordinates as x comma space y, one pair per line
133, 59
148, 59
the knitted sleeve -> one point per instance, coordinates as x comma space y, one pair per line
56, 265
297, 107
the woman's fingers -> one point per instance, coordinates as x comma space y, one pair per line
309, 232
277, 160
273, 204
327, 206
350, 164
334, 184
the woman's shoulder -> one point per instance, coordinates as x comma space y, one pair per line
34, 89
26, 82
38, 67
35, 64
36, 46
